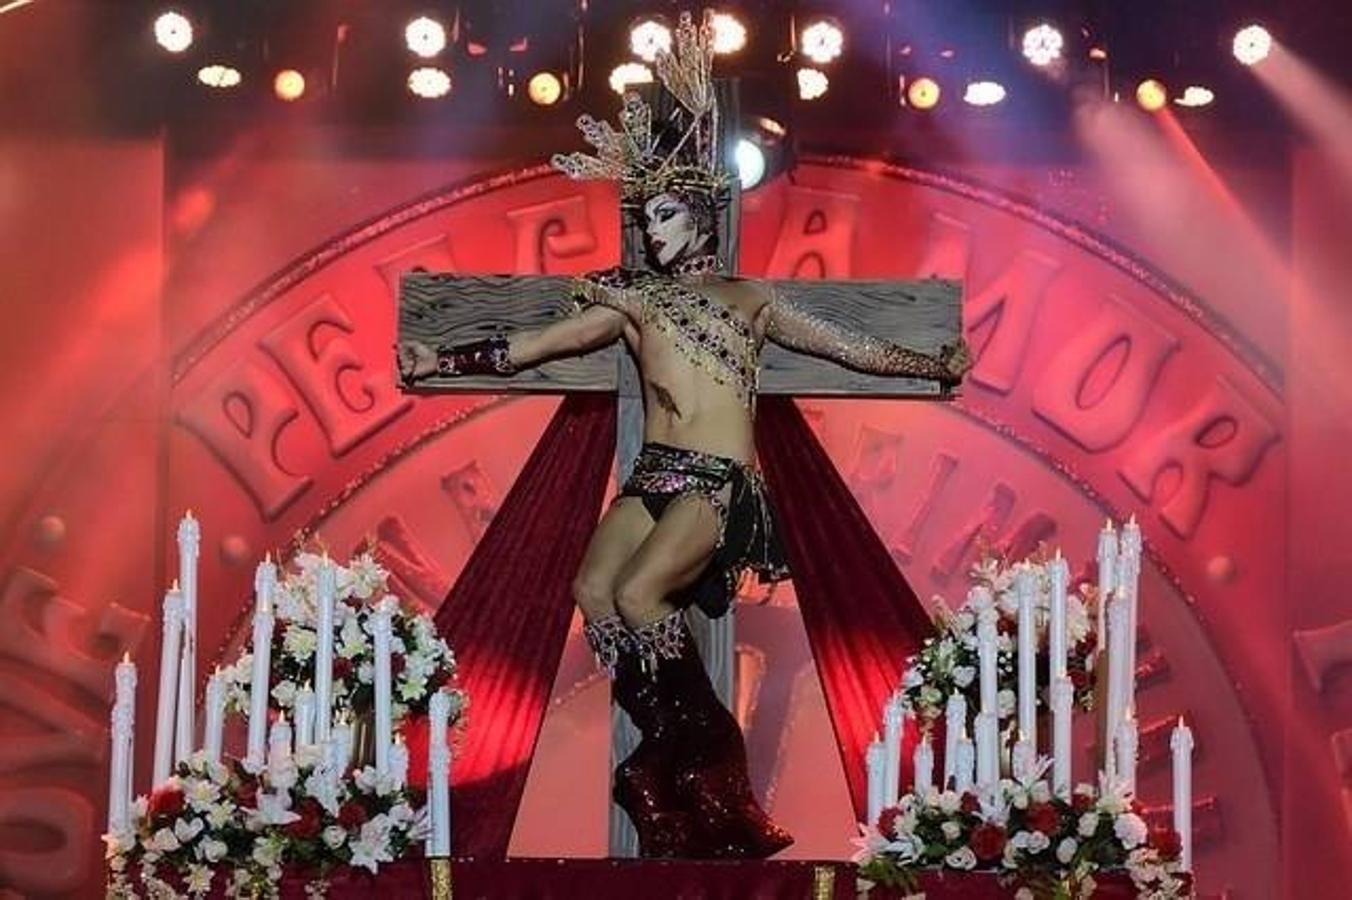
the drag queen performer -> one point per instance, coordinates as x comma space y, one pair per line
694, 515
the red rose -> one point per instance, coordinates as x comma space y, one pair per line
970, 803
351, 814
396, 664
342, 668
1043, 817
166, 800
1167, 841
1079, 679
246, 794
988, 842
307, 826
887, 822
1081, 803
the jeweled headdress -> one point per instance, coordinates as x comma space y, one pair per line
633, 155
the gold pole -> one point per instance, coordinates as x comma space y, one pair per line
440, 869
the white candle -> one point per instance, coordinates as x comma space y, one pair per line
894, 717
381, 623
341, 742
304, 715
1131, 551
438, 776
962, 770
1063, 700
1059, 573
168, 688
399, 761
189, 543
1180, 742
1022, 759
986, 658
1025, 589
987, 750
214, 729
874, 762
1107, 560
265, 581
955, 725
279, 747
1117, 676
326, 589
122, 735
923, 761
1125, 740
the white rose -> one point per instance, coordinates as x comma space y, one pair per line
1065, 851
1130, 830
951, 830
1005, 702
1088, 824
185, 830
913, 678
962, 858
334, 836
964, 621
213, 850
366, 672
1037, 842
963, 675
950, 802
284, 692
1040, 792
300, 642
931, 696
163, 841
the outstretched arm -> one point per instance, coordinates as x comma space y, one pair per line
790, 325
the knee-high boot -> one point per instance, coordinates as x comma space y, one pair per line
710, 762
644, 783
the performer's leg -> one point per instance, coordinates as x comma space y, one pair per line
672, 556
620, 532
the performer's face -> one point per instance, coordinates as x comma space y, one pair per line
672, 230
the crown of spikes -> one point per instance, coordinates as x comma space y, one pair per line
631, 155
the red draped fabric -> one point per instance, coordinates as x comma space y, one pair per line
507, 616
862, 618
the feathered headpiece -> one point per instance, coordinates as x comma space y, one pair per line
633, 155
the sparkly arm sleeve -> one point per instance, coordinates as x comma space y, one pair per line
611, 288
792, 326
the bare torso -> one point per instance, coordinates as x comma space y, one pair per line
684, 405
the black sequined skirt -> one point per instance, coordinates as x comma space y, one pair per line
747, 536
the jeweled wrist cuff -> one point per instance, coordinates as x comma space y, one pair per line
490, 356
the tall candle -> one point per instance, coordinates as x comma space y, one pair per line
955, 725
1025, 588
1125, 741
1117, 676
265, 582
122, 735
304, 714
326, 590
213, 731
168, 687
1063, 699
966, 761
1022, 759
279, 747
381, 624
1059, 574
1180, 743
1107, 561
987, 750
399, 761
438, 776
923, 763
1131, 553
189, 543
874, 763
894, 716
987, 658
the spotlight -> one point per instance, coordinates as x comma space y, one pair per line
425, 37
821, 41
544, 88
1252, 44
1195, 95
219, 76
750, 163
812, 83
1042, 44
173, 32
625, 75
1151, 95
429, 83
649, 37
923, 93
289, 85
729, 33
984, 93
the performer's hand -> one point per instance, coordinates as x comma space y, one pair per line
956, 360
416, 361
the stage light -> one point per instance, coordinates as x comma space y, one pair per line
1195, 95
1151, 95
289, 85
750, 163
219, 76
544, 88
822, 41
1042, 44
1252, 44
984, 93
812, 83
429, 83
425, 37
173, 32
648, 37
923, 93
625, 75
729, 33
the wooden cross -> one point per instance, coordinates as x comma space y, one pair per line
445, 308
